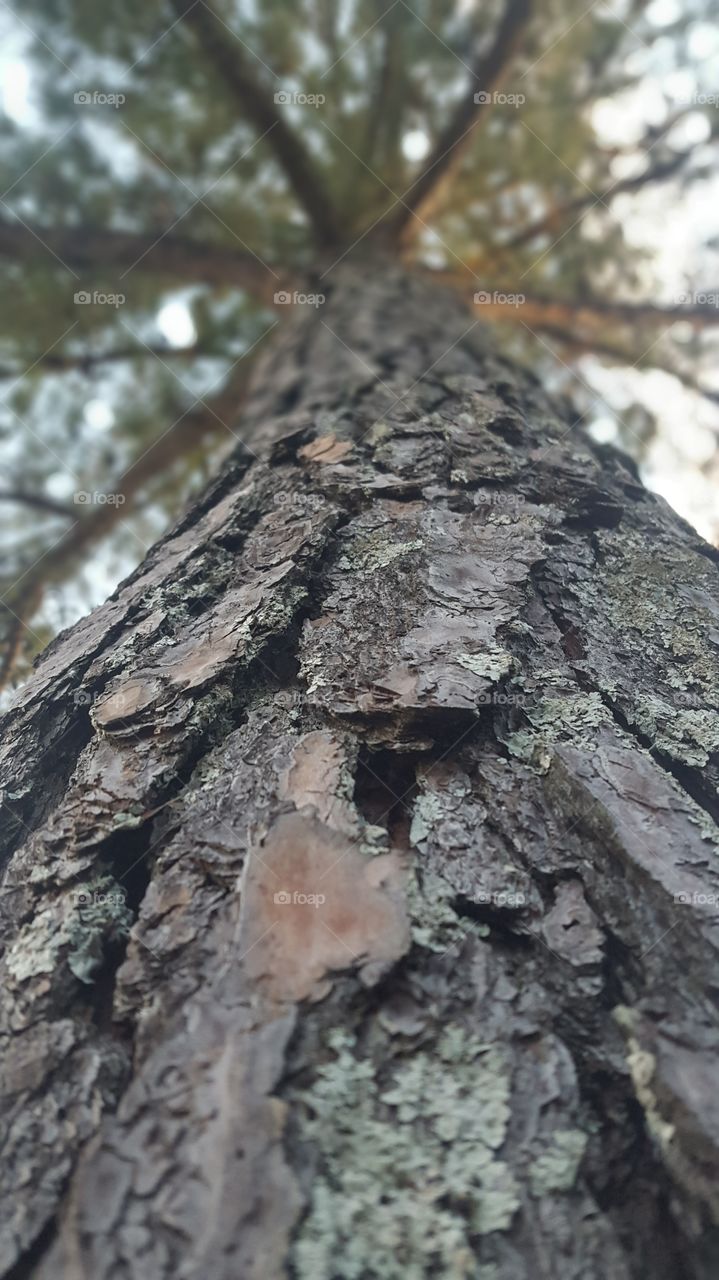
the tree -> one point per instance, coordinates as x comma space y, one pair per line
158, 167
359, 898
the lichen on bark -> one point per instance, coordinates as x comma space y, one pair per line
409, 1170
427, 655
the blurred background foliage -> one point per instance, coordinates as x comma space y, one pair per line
139, 166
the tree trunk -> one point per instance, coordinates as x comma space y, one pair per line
360, 900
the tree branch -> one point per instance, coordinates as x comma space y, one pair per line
488, 73
84, 247
564, 320
383, 126
581, 345
234, 66
86, 360
597, 312
653, 135
553, 220
570, 313
38, 501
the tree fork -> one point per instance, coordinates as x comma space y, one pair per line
404, 740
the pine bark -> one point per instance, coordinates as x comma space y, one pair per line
360, 891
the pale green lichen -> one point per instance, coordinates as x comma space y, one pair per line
373, 553
374, 840
125, 818
642, 1067
274, 616
493, 664
689, 736
573, 717
378, 433
504, 517
546, 676
708, 828
104, 916
529, 748
432, 806
318, 679
672, 619
685, 1164
556, 1168
409, 1173
74, 927
37, 946
427, 813
212, 712
677, 678
434, 923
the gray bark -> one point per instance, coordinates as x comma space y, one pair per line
440, 671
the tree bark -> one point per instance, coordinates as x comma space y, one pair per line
360, 900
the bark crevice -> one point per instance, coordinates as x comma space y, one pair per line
385, 722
